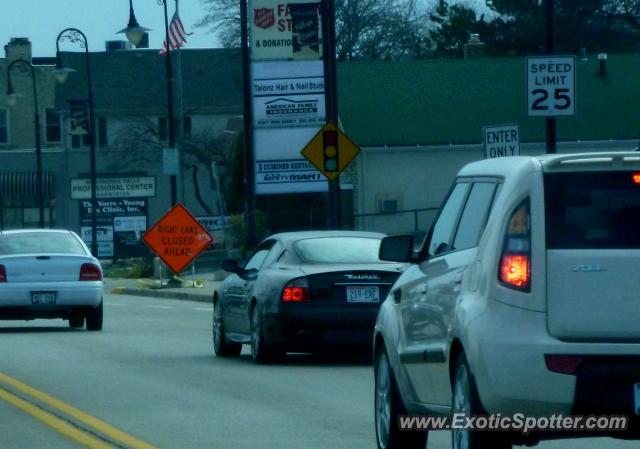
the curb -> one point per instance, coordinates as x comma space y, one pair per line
153, 293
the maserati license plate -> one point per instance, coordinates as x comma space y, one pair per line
363, 294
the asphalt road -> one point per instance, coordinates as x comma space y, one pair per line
150, 380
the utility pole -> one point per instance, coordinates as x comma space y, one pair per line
331, 99
551, 49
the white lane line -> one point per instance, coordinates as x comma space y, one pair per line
160, 307
209, 309
117, 304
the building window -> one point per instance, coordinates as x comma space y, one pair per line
54, 128
186, 127
80, 141
162, 129
4, 126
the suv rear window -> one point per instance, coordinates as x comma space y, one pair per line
592, 210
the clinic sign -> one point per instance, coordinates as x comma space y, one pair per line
501, 141
125, 187
551, 86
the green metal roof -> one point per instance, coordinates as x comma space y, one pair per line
134, 81
433, 102
426, 102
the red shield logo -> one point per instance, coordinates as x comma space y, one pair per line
264, 17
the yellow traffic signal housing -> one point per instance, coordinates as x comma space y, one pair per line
330, 151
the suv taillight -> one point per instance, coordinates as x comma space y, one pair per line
90, 272
515, 260
3, 274
296, 290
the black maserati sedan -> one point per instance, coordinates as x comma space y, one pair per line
302, 291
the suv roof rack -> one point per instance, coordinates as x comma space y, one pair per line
609, 159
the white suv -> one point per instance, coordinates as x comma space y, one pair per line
523, 298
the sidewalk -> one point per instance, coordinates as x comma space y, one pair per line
171, 290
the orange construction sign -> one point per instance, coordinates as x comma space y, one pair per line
177, 238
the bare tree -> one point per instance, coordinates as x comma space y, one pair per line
139, 143
365, 29
223, 19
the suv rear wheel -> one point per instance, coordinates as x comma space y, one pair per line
388, 407
466, 400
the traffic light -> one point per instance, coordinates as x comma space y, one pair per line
330, 151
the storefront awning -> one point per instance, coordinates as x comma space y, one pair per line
18, 184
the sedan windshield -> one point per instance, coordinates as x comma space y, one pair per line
40, 243
339, 249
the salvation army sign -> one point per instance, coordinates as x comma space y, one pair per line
290, 30
264, 18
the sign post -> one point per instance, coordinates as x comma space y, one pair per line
177, 238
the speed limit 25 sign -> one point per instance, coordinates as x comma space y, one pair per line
551, 86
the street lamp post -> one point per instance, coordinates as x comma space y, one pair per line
36, 120
134, 34
75, 35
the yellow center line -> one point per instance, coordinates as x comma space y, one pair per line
90, 421
55, 423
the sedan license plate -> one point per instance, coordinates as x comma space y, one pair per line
636, 398
363, 294
43, 297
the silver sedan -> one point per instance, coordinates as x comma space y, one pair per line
46, 273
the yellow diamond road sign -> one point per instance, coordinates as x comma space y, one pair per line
330, 151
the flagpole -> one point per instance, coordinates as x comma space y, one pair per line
179, 109
170, 118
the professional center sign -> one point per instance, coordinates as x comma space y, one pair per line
289, 30
125, 187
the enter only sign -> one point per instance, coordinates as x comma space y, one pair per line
501, 141
551, 85
177, 238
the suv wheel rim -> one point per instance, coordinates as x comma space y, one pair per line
217, 325
383, 401
255, 334
461, 404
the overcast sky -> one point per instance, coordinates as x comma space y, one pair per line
42, 20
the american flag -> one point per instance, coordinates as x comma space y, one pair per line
177, 33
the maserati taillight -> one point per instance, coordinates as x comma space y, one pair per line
296, 290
